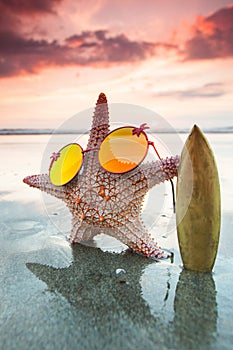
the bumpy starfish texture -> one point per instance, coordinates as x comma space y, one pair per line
102, 202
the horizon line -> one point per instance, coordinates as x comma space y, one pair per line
48, 131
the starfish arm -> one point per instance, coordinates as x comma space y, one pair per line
161, 170
99, 130
100, 123
135, 236
42, 182
81, 231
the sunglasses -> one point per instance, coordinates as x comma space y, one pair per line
121, 151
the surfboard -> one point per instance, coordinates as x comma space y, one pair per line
198, 206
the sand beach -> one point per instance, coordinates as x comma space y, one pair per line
53, 296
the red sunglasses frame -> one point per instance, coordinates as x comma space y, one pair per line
135, 131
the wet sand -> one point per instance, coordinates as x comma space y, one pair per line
57, 297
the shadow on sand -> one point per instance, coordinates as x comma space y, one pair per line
113, 300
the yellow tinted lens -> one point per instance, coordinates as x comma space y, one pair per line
67, 165
121, 151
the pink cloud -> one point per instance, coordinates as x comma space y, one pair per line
20, 55
100, 46
210, 90
14, 12
212, 36
28, 6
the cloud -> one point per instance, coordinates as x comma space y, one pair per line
21, 55
212, 36
99, 46
14, 12
210, 90
29, 6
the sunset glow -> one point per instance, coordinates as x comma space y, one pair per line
173, 57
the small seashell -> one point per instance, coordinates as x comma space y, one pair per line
120, 271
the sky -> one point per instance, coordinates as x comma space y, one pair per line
174, 57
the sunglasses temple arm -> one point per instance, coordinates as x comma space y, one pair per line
153, 145
173, 196
172, 185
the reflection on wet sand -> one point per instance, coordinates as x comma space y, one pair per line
109, 301
105, 298
195, 321
91, 281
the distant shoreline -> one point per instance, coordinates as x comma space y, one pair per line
226, 130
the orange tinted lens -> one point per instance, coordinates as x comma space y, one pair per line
121, 151
67, 165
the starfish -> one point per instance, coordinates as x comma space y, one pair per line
103, 202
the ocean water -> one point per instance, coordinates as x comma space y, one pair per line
56, 297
